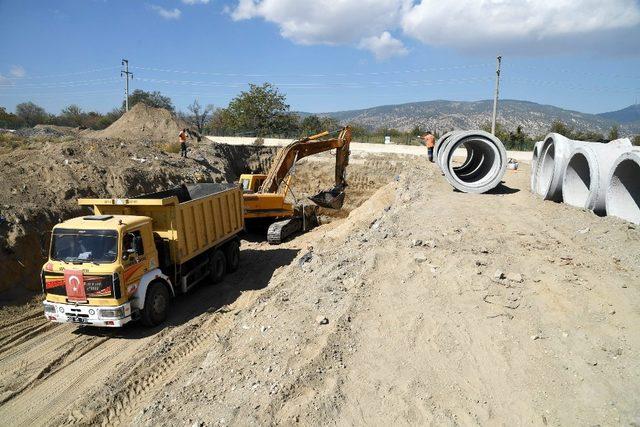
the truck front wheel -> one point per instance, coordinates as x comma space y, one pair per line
156, 304
217, 266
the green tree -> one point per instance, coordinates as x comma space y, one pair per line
107, 119
152, 99
199, 115
636, 140
31, 113
72, 116
260, 111
10, 120
614, 132
310, 125
417, 131
558, 127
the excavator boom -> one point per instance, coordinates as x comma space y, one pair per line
299, 149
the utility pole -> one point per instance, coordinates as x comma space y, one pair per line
125, 73
495, 98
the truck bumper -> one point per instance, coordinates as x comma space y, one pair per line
107, 316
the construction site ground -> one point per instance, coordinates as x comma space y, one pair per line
422, 306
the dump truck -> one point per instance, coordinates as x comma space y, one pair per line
265, 195
128, 259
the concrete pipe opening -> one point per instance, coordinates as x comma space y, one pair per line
623, 191
578, 180
483, 166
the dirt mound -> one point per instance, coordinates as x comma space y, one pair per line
47, 131
145, 123
42, 180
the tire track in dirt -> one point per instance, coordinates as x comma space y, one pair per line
23, 334
77, 350
177, 346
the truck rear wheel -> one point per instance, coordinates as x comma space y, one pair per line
217, 266
233, 255
156, 304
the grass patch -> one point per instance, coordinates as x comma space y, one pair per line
173, 147
10, 142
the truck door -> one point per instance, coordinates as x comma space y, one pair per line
134, 259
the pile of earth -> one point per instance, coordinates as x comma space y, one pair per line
47, 131
144, 123
42, 181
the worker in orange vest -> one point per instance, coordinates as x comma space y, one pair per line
430, 142
183, 143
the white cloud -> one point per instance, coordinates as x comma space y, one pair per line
4, 80
17, 71
384, 46
325, 21
519, 25
192, 2
166, 13
506, 26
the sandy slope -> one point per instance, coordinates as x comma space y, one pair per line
426, 333
420, 327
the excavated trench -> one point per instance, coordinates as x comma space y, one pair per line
26, 220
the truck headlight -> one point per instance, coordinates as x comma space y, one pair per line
48, 308
115, 313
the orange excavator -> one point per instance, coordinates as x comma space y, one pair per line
265, 194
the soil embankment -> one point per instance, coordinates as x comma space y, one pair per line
53, 167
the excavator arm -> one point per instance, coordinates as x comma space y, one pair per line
299, 149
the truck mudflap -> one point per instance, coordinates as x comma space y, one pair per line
83, 315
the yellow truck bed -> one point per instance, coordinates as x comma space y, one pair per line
191, 218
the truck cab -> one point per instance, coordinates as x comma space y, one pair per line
96, 264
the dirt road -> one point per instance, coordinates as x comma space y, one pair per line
425, 305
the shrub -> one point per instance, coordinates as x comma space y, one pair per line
172, 147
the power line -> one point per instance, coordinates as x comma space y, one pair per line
400, 83
60, 84
356, 74
63, 74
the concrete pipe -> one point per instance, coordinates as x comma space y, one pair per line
623, 189
584, 184
440, 143
484, 166
534, 160
551, 164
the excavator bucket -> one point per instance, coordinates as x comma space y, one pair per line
330, 199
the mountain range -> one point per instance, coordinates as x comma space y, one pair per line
535, 119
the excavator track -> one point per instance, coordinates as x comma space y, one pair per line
279, 231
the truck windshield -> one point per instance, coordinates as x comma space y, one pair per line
98, 246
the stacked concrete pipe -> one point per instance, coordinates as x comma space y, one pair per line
484, 166
551, 165
587, 173
622, 197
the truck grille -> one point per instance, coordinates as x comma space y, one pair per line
96, 286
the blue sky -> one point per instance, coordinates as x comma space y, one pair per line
324, 55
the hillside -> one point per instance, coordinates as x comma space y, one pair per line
444, 115
629, 115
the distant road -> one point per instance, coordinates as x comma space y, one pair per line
414, 150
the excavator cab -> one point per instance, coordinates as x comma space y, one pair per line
251, 182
